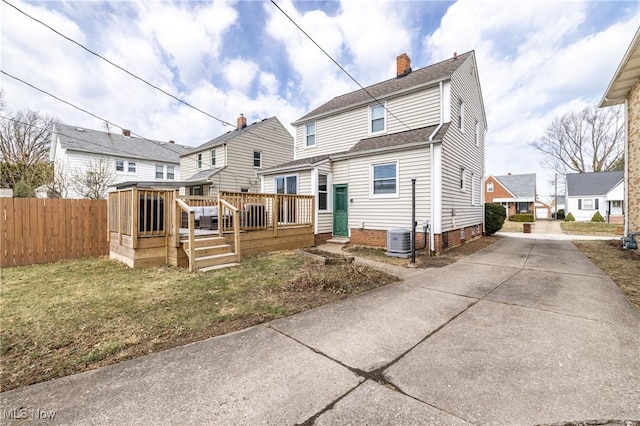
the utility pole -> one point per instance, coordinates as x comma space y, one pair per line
555, 198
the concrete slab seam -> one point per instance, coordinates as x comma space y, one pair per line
311, 420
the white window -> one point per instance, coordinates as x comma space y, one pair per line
463, 183
119, 165
310, 134
384, 179
213, 157
490, 187
377, 119
170, 173
199, 160
159, 172
322, 192
131, 167
587, 204
257, 159
477, 133
286, 184
461, 116
616, 204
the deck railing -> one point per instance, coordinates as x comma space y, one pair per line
139, 213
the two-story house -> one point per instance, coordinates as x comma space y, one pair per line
82, 156
230, 162
516, 193
359, 153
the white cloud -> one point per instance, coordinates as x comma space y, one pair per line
240, 73
269, 83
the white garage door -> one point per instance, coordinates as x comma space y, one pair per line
542, 214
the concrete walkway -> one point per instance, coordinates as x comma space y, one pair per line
527, 331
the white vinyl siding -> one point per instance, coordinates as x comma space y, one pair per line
339, 133
459, 149
385, 213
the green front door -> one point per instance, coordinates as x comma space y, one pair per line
340, 216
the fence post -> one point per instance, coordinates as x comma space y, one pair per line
276, 213
134, 218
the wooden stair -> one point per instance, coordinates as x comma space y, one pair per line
209, 252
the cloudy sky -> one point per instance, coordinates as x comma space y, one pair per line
536, 60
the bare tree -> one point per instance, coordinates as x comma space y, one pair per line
58, 184
587, 141
95, 181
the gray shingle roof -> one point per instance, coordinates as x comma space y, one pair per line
522, 186
595, 183
417, 78
75, 138
307, 161
204, 174
398, 139
232, 134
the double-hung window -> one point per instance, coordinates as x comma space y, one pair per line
310, 134
257, 159
377, 119
384, 179
463, 180
131, 167
119, 165
490, 187
159, 171
213, 157
199, 160
461, 116
170, 173
477, 133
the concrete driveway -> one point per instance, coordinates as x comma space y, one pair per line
527, 331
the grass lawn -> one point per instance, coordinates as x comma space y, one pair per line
66, 317
512, 226
623, 266
589, 228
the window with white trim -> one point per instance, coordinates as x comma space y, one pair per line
377, 122
489, 186
322, 193
131, 167
310, 134
159, 171
171, 173
587, 204
477, 133
213, 157
384, 179
463, 183
199, 160
474, 193
257, 159
461, 116
119, 165
286, 184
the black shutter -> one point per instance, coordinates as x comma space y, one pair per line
597, 199
579, 203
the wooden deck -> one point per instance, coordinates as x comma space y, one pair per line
159, 227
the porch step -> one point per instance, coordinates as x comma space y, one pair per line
339, 240
216, 259
211, 250
205, 242
216, 267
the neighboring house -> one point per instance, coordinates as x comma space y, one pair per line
516, 193
558, 203
358, 156
591, 192
231, 161
78, 152
543, 210
625, 89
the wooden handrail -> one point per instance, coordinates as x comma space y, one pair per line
192, 234
236, 224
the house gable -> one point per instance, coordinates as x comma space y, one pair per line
499, 191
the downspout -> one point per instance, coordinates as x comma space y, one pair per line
432, 177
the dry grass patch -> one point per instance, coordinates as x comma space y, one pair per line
423, 259
623, 266
512, 226
66, 317
589, 228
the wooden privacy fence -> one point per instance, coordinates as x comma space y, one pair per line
42, 230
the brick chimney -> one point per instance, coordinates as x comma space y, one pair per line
126, 133
403, 65
172, 141
242, 122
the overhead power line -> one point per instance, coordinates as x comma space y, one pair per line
223, 122
339, 66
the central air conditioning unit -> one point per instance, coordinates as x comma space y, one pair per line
399, 242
